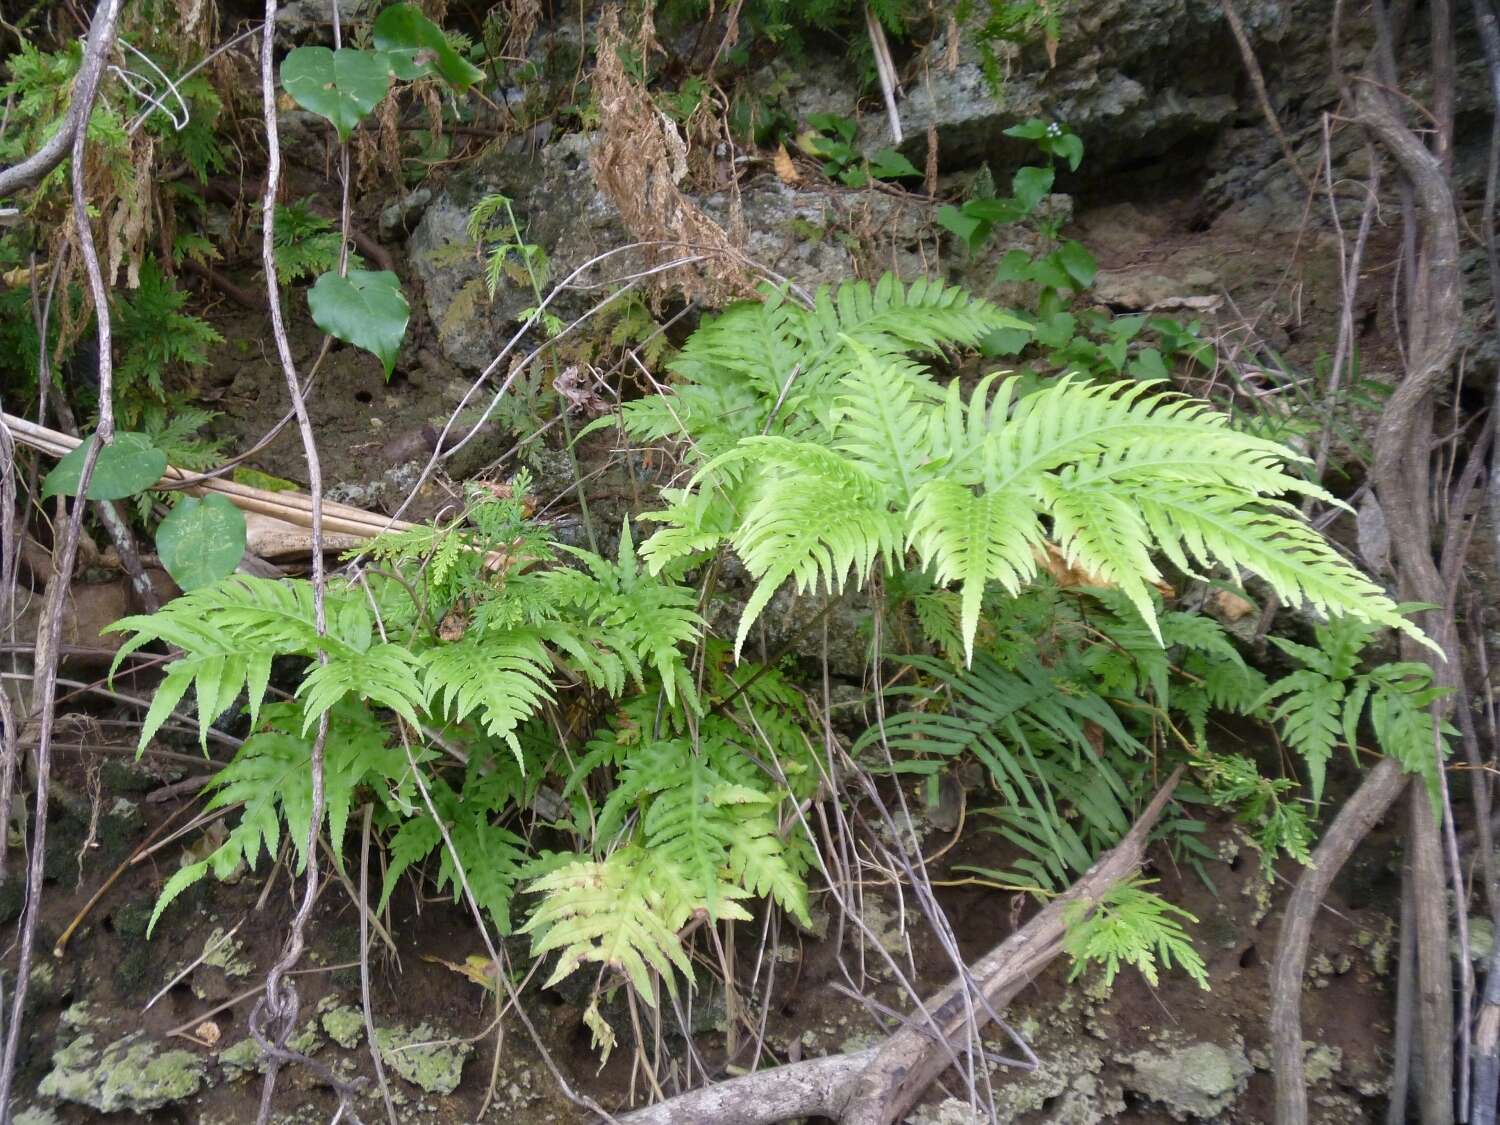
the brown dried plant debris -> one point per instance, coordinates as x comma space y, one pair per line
640, 162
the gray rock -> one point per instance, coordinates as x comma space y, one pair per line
1200, 1081
809, 236
134, 1074
399, 216
1134, 81
300, 17
557, 206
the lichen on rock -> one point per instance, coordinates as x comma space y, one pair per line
423, 1056
344, 1023
1200, 1080
135, 1074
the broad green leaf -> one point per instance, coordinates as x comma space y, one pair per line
365, 309
1075, 258
341, 85
888, 164
1033, 130
415, 47
128, 465
201, 541
1030, 185
970, 230
1070, 148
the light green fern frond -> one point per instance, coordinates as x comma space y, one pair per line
1133, 926
504, 679
609, 913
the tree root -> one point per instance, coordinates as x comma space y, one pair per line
878, 1085
1379, 790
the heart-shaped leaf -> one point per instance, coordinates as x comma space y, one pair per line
365, 309
415, 47
128, 465
201, 541
341, 85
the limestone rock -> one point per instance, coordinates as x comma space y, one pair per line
134, 1074
1200, 1080
423, 1056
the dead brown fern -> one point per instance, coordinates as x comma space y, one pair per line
640, 161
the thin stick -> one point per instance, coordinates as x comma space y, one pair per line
208, 950
364, 964
50, 635
275, 1014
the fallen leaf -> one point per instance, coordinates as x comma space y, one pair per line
1230, 606
786, 171
478, 968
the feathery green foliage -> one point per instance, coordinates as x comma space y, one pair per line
834, 452
1134, 926
1321, 705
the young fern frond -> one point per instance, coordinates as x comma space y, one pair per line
1134, 926
1322, 704
610, 913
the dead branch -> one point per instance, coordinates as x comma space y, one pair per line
879, 1085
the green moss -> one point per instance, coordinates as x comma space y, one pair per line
134, 972
422, 1056
130, 919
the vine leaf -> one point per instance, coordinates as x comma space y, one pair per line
128, 465
341, 85
201, 541
365, 309
415, 47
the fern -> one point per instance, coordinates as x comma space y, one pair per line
270, 777
846, 454
610, 913
1133, 926
1321, 705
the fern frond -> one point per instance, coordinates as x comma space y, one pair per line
384, 674
1132, 925
503, 678
229, 633
973, 539
608, 913
818, 517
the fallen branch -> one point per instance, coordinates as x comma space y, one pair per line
292, 507
879, 1085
